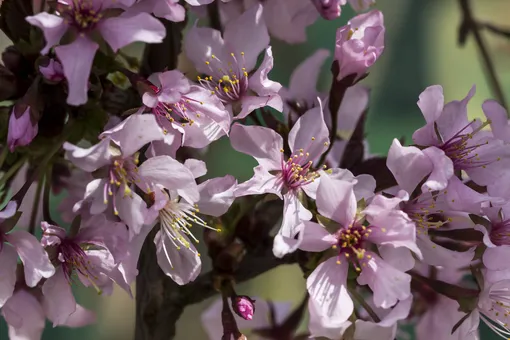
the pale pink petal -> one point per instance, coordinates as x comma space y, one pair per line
303, 80
8, 211
76, 59
353, 105
89, 159
247, 33
497, 258
134, 132
25, 316
393, 227
9, 261
259, 81
157, 170
431, 102
201, 133
327, 286
442, 169
80, 318
388, 284
121, 31
315, 237
310, 134
170, 11
200, 44
128, 266
58, 299
251, 103
182, 265
262, 143
398, 257
288, 21
35, 259
294, 212
216, 195
320, 325
262, 182
53, 28
499, 119
439, 319
336, 200
460, 197
409, 165
397, 313
132, 210
208, 106
435, 255
454, 117
197, 167
366, 330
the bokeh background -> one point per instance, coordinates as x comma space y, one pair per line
421, 50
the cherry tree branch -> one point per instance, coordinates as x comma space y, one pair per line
160, 301
469, 25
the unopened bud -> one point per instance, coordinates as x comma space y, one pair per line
52, 71
329, 9
243, 306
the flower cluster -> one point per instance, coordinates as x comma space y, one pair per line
382, 241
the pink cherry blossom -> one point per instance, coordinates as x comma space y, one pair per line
386, 329
456, 143
359, 44
496, 237
411, 166
26, 311
117, 157
91, 255
287, 21
19, 243
22, 129
228, 60
176, 208
189, 109
83, 19
308, 139
390, 229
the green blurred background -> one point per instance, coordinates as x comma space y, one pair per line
421, 50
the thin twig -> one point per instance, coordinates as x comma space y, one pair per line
35, 206
469, 25
47, 196
505, 32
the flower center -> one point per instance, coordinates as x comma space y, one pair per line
496, 317
463, 151
424, 212
227, 79
297, 169
500, 233
351, 243
181, 112
176, 220
83, 15
74, 259
122, 172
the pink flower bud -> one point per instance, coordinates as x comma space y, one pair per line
21, 129
53, 71
329, 9
244, 306
359, 44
